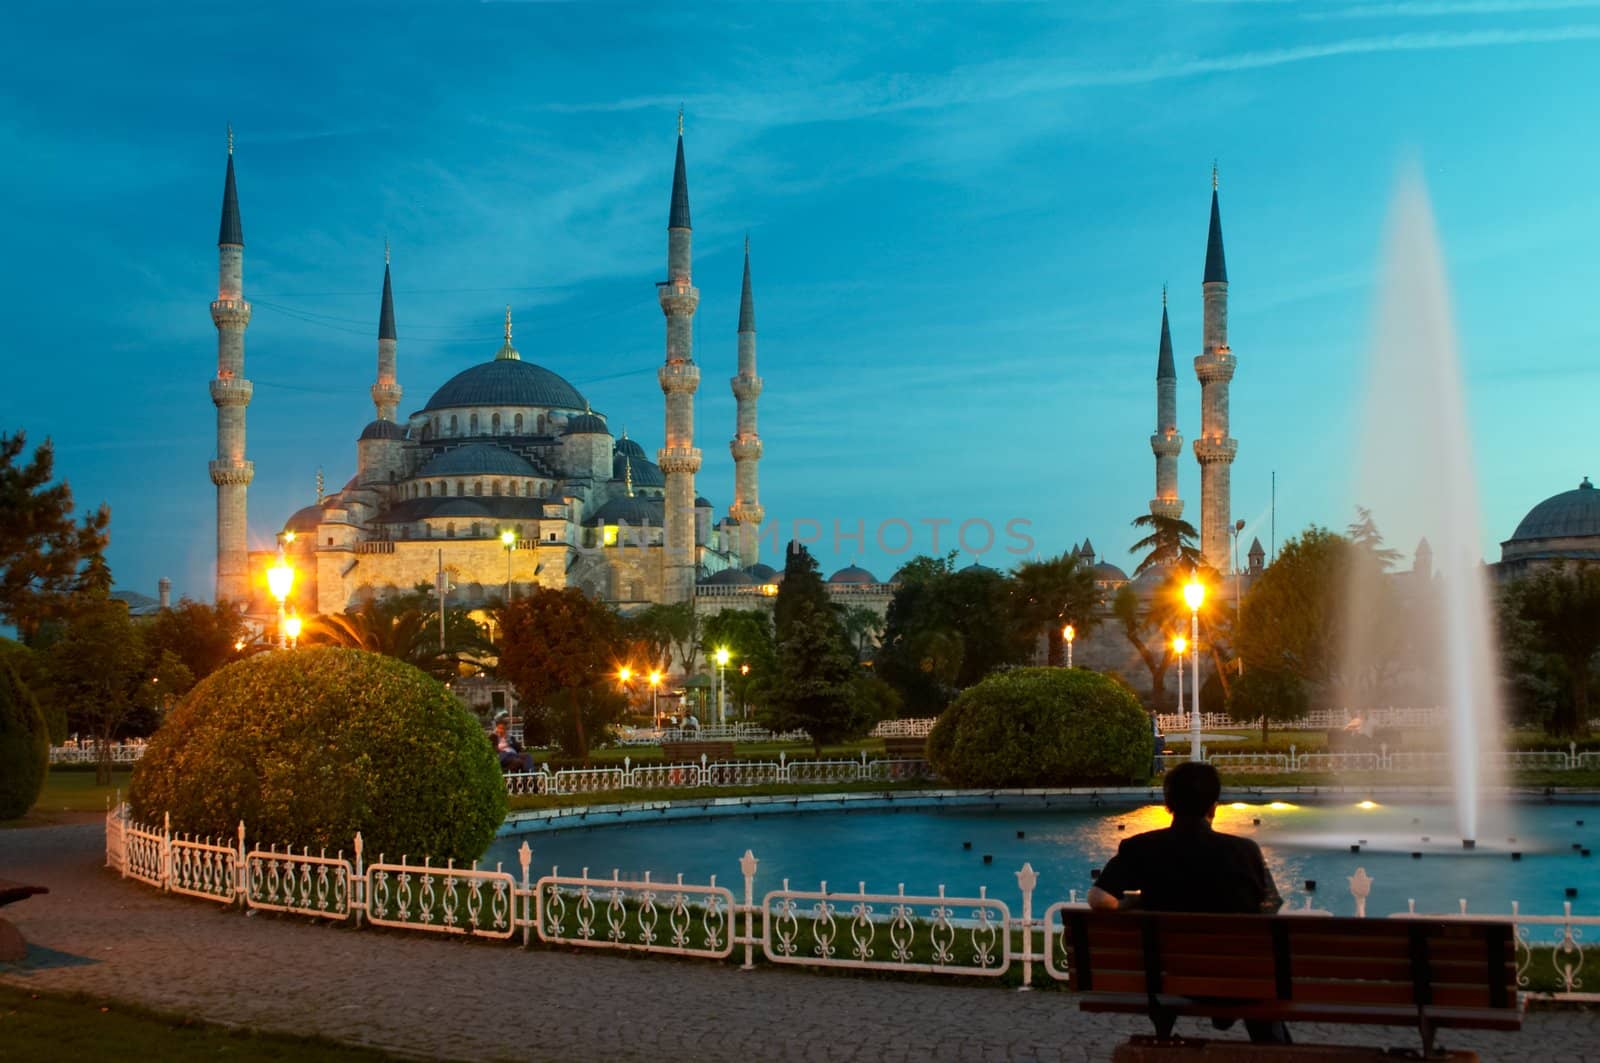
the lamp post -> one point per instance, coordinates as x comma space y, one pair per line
1194, 593
655, 687
292, 627
280, 581
1069, 633
508, 539
1238, 592
722, 684
744, 687
1179, 645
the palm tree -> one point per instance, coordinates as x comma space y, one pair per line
1051, 594
409, 635
1171, 540
861, 626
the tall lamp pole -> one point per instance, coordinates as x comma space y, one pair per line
655, 688
280, 581
1238, 592
1179, 645
1194, 593
508, 539
722, 684
1069, 633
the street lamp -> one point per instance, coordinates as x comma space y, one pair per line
292, 628
1194, 594
508, 539
655, 687
1238, 590
1179, 646
280, 580
1069, 633
722, 684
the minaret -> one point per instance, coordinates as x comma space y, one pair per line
679, 458
1166, 442
1214, 367
386, 389
230, 393
746, 444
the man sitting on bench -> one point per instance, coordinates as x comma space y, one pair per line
1188, 867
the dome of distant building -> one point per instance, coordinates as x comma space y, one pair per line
506, 382
303, 520
1571, 513
852, 574
1106, 572
477, 459
729, 577
702, 502
383, 430
762, 573
1564, 527
590, 423
636, 511
630, 448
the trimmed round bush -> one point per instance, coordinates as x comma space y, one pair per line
311, 746
1042, 727
24, 745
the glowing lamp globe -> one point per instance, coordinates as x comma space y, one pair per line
507, 538
280, 580
722, 656
1180, 645
625, 673
1194, 593
291, 627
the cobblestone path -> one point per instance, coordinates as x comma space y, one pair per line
418, 995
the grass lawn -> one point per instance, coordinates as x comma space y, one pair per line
71, 797
45, 1026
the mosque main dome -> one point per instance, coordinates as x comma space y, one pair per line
506, 382
1571, 513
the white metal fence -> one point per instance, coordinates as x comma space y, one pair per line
1405, 718
912, 728
1398, 761
928, 933
88, 753
710, 773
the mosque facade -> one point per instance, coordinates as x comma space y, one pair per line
506, 477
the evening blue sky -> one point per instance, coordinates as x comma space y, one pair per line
961, 219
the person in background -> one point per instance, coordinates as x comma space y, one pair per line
1189, 867
509, 750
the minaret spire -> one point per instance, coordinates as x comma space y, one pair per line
679, 458
231, 472
386, 390
1215, 449
1166, 443
746, 444
508, 352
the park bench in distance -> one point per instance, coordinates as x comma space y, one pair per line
690, 752
1430, 974
12, 947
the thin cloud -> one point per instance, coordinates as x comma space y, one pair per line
1450, 8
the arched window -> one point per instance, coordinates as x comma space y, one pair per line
454, 424
477, 529
516, 424
461, 487
495, 487
435, 424
429, 486
450, 530
494, 424
541, 424
477, 488
472, 425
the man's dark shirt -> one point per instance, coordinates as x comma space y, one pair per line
1188, 867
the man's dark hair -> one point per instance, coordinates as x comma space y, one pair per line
1192, 788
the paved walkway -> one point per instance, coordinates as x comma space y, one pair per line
421, 996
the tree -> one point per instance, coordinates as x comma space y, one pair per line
97, 671
1294, 614
1270, 695
747, 636
811, 691
1171, 541
561, 650
41, 547
1146, 630
1051, 594
675, 627
1561, 605
404, 633
1364, 535
861, 625
802, 588
203, 637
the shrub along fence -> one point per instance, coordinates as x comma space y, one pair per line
930, 933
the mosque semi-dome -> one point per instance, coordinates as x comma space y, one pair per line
1106, 572
383, 430
630, 448
506, 382
633, 510
304, 520
729, 577
586, 424
475, 459
1570, 514
762, 573
852, 574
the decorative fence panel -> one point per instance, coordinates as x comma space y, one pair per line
319, 886
588, 780
820, 771
887, 931
912, 933
677, 918
709, 774
911, 728
746, 773
445, 900
896, 770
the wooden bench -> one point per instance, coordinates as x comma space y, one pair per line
1430, 974
690, 752
12, 947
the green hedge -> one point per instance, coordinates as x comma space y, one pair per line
1043, 727
310, 746
24, 745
